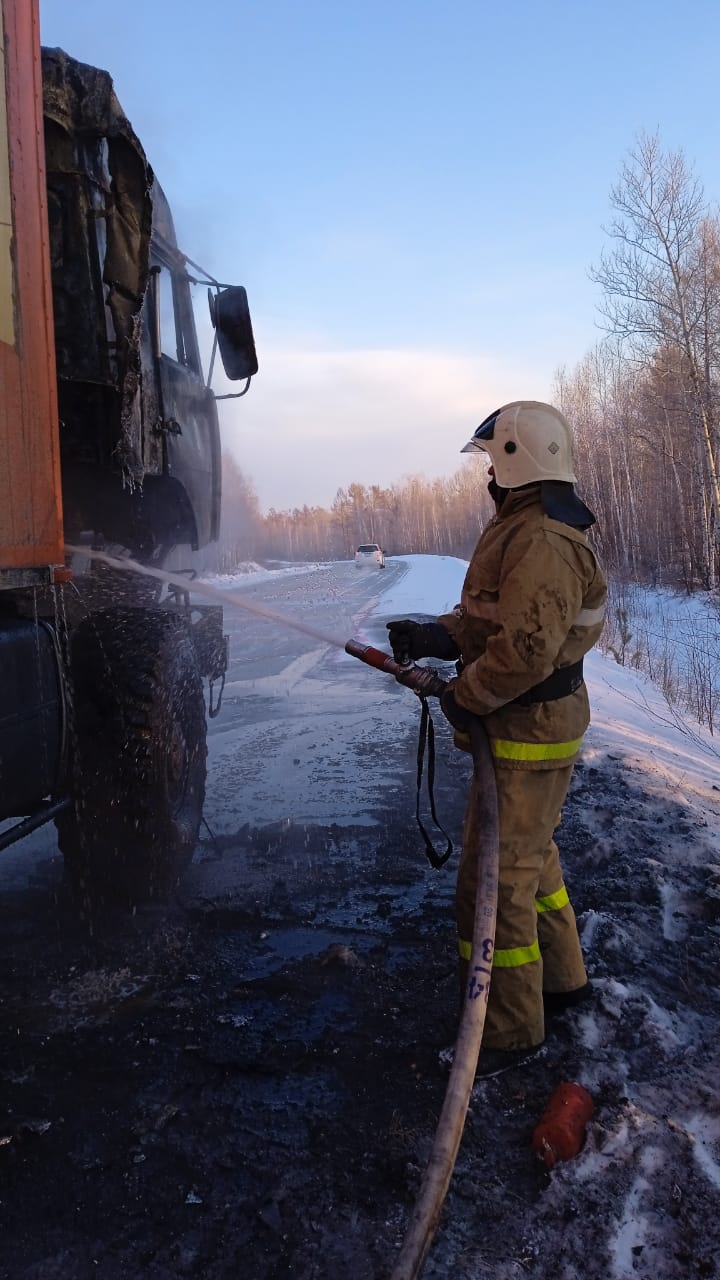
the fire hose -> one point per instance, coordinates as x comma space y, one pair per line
426, 682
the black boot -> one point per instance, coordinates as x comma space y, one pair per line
556, 1002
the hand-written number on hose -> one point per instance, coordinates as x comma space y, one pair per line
480, 985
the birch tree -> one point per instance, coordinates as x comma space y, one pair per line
660, 281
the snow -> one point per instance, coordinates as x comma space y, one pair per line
658, 618
631, 717
431, 585
250, 573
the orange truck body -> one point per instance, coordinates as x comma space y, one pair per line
31, 528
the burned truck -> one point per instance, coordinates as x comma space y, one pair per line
109, 442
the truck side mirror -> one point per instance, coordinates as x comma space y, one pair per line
230, 315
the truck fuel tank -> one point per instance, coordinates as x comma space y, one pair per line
32, 715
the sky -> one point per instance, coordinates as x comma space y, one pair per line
412, 193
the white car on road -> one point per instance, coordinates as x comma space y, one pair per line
369, 553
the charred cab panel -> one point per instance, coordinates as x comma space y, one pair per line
178, 399
139, 434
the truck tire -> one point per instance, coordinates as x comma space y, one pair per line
138, 756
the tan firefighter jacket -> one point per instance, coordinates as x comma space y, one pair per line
533, 600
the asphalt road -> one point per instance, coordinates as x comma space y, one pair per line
299, 717
310, 742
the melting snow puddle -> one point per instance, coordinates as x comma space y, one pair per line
283, 944
300, 942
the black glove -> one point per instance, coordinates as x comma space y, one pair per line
411, 640
459, 718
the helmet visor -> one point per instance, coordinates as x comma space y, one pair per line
485, 431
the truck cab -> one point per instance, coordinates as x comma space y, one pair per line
134, 405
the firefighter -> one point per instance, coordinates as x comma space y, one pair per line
532, 604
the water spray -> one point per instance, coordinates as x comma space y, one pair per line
198, 587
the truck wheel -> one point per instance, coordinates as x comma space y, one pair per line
138, 752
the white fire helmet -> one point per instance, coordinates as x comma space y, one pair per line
527, 441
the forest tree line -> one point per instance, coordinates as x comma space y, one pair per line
644, 406
413, 516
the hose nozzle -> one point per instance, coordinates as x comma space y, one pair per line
422, 680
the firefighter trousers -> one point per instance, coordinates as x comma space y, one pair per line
536, 941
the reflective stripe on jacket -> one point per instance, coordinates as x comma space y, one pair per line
533, 601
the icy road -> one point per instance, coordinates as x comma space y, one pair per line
300, 719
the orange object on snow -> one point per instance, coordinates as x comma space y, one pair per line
561, 1131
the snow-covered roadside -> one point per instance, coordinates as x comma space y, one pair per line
250, 573
672, 637
631, 720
